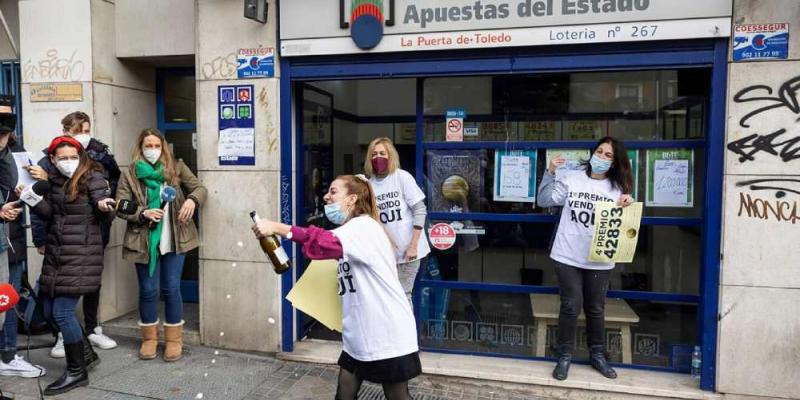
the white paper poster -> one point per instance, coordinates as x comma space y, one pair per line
23, 159
670, 181
515, 177
236, 142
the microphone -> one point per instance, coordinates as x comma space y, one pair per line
33, 194
125, 206
8, 297
168, 194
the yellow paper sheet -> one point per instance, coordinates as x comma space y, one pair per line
616, 231
316, 293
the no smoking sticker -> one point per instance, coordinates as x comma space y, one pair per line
454, 123
442, 236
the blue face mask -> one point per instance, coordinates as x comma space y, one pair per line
599, 166
335, 214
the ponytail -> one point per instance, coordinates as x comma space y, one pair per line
366, 204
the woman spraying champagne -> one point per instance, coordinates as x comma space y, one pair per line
379, 346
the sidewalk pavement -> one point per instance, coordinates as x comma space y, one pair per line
210, 374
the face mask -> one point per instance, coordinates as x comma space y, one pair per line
599, 166
335, 214
67, 167
152, 155
380, 165
83, 138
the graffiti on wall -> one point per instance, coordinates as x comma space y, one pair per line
758, 204
783, 142
222, 67
54, 67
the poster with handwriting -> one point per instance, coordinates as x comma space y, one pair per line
616, 232
540, 130
515, 176
573, 158
670, 178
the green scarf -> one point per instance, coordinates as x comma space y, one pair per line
153, 178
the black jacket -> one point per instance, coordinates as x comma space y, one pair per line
99, 152
18, 252
73, 259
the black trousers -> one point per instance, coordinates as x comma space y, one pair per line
91, 302
581, 288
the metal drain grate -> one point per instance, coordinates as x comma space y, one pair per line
375, 392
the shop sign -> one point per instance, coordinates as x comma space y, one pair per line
354, 26
760, 41
454, 125
256, 62
236, 144
53, 92
442, 236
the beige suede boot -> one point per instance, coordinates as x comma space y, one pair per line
174, 339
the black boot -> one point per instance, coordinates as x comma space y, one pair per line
561, 371
74, 376
90, 358
599, 362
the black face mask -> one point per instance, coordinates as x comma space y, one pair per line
8, 122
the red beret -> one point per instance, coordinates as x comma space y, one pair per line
64, 139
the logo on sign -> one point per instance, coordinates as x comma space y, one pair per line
442, 236
366, 21
761, 41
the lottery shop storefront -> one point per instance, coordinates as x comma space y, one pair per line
477, 94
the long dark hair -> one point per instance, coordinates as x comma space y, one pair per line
77, 183
620, 173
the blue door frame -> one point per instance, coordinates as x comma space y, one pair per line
190, 290
656, 55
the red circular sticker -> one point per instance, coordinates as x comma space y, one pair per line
454, 125
443, 236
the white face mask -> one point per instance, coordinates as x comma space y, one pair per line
151, 155
67, 167
83, 138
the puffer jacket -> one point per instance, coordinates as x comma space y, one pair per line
137, 234
73, 258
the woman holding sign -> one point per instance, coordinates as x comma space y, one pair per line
378, 327
401, 208
583, 283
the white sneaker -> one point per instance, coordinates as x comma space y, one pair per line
58, 350
19, 367
102, 341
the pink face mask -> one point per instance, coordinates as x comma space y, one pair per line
380, 165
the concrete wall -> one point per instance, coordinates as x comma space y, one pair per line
119, 97
231, 261
10, 11
151, 28
760, 284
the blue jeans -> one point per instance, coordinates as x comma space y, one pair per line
167, 275
61, 311
8, 336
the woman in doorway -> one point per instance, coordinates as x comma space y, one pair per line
158, 237
78, 200
583, 283
379, 346
401, 207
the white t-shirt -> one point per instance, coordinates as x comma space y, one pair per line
576, 226
377, 321
395, 194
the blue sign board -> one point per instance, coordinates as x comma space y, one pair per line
256, 63
236, 125
760, 41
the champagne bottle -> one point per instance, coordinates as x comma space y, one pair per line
271, 245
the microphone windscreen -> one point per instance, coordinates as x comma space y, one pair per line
41, 187
8, 297
168, 194
127, 207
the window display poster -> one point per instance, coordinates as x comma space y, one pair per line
236, 145
670, 181
633, 156
515, 176
455, 179
498, 131
540, 130
585, 130
573, 158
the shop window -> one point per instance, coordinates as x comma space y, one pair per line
651, 333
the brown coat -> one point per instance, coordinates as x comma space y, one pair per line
137, 233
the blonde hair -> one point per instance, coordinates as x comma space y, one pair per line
394, 157
167, 160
